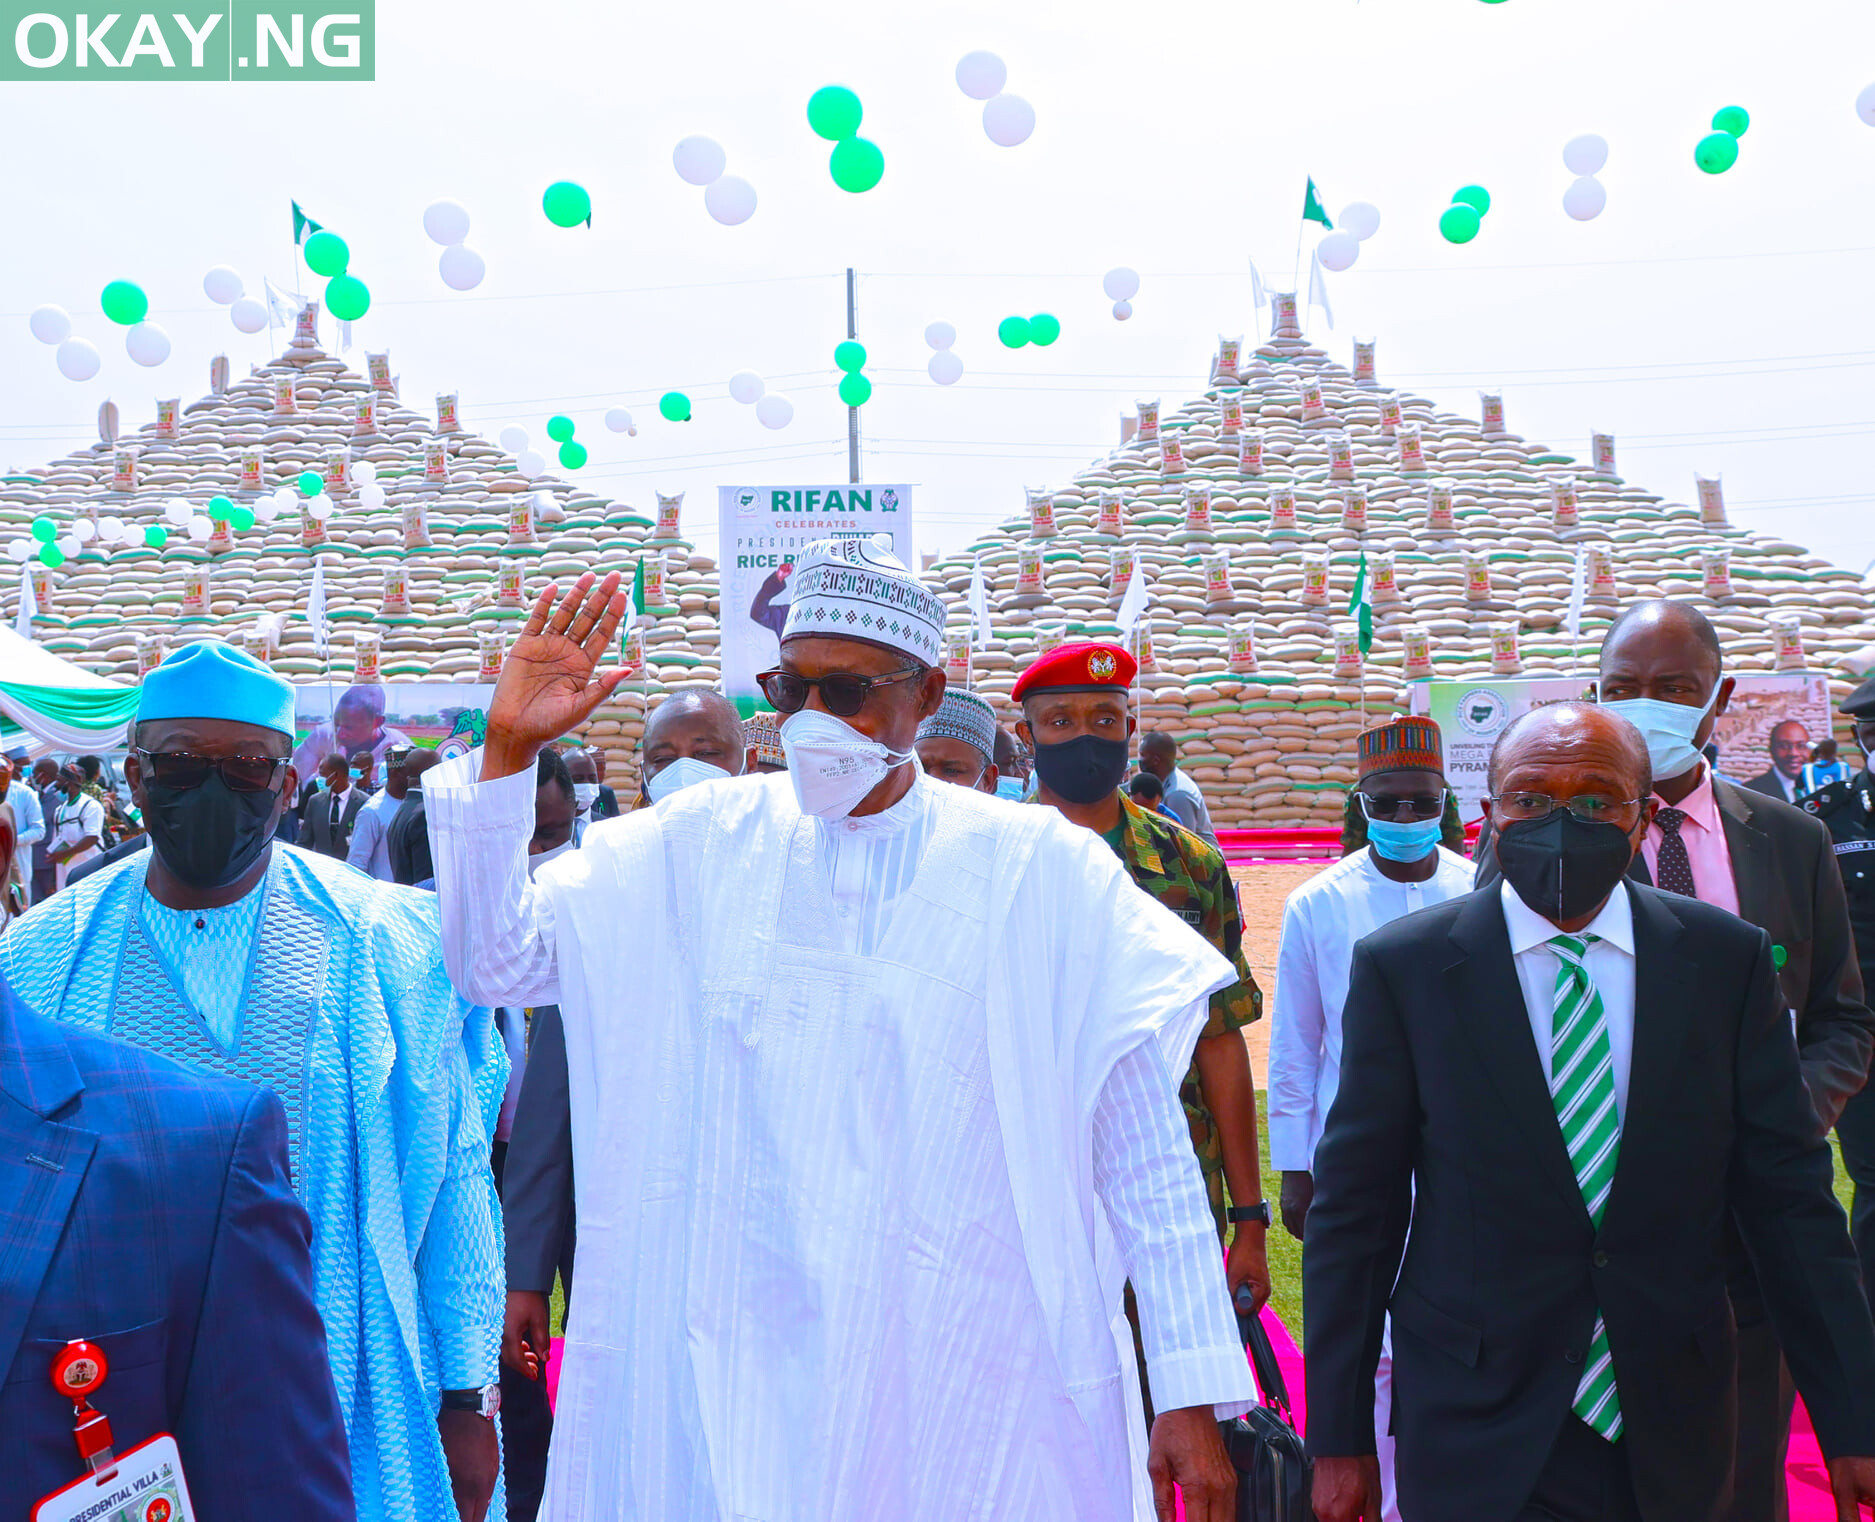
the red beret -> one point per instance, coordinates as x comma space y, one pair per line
1088, 666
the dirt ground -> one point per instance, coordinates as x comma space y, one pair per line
1262, 887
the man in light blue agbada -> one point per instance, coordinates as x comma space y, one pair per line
225, 949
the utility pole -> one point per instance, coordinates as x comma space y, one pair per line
852, 413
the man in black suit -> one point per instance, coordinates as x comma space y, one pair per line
1790, 748
328, 815
1572, 1085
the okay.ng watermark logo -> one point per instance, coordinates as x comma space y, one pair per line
240, 39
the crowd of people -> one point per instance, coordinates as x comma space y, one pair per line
881, 1070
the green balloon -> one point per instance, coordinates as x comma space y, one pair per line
1459, 222
52, 555
1014, 332
559, 428
125, 303
1733, 119
310, 483
833, 111
850, 356
347, 298
45, 529
857, 165
1716, 152
242, 518
327, 254
220, 509
1044, 329
675, 406
156, 536
572, 455
1474, 196
567, 204
855, 390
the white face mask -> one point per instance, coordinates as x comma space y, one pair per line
831, 764
1668, 729
535, 863
585, 795
685, 771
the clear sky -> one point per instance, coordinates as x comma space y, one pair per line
1714, 323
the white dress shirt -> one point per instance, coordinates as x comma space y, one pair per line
1321, 922
1610, 963
370, 848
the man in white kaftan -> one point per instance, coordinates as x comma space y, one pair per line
874, 1111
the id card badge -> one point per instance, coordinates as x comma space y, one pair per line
144, 1485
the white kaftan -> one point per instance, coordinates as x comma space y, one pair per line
847, 1220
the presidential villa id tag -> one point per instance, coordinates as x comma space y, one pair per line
146, 1485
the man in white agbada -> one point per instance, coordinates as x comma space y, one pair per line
874, 1106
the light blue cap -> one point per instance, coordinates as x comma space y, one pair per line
212, 680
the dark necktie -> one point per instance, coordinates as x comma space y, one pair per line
1673, 868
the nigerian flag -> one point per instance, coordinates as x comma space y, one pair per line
1312, 209
303, 224
1361, 606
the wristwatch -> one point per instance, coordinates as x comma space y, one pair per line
484, 1402
1243, 1213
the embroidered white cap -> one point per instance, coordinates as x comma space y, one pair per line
858, 589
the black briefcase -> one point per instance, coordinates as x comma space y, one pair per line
1273, 1470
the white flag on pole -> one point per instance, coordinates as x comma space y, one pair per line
1133, 604
1578, 591
979, 605
282, 306
1259, 296
316, 605
29, 605
1318, 290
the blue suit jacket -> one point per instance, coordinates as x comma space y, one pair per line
147, 1208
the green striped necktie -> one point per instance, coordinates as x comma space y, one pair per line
1582, 1087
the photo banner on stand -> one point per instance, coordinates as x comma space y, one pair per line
1471, 715
764, 528
347, 717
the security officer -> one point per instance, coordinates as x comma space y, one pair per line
1848, 808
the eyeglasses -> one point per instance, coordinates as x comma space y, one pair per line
1511, 807
843, 693
1387, 806
183, 770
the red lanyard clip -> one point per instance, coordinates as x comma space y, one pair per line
77, 1371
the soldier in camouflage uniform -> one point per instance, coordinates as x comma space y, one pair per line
1077, 722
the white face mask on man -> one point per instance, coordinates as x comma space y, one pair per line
1668, 728
585, 795
685, 771
541, 858
831, 764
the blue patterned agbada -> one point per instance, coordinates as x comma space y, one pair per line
391, 1085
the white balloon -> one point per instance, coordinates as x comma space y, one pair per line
364, 472
1008, 119
69, 545
461, 267
200, 529
699, 160
1120, 283
940, 335
981, 75
745, 386
248, 315
446, 222
1122, 310
1362, 218
223, 285
1585, 155
1584, 199
1865, 105
177, 511
84, 530
946, 367
731, 200
20, 550
78, 359
530, 464
319, 505
774, 411
147, 344
112, 529
619, 420
50, 324
266, 509
285, 500
513, 438
371, 496
542, 500
1338, 250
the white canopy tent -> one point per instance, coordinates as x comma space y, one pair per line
59, 706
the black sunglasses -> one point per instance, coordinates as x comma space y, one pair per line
183, 770
844, 694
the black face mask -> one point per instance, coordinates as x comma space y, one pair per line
1082, 770
1562, 867
208, 835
